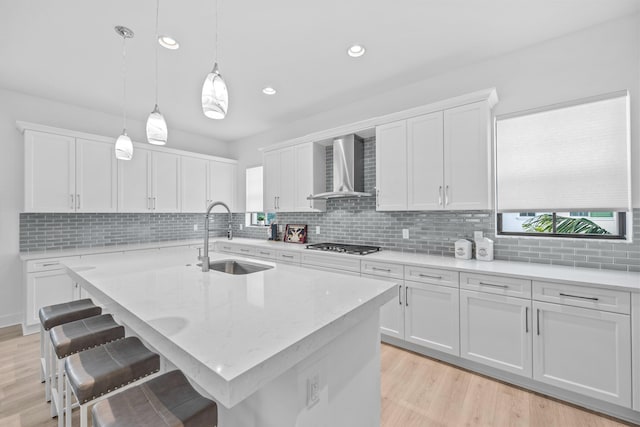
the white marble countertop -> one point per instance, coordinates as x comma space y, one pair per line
239, 331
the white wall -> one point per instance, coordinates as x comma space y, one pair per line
16, 106
601, 59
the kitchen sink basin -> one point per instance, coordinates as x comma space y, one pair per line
231, 266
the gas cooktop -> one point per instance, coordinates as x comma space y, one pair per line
344, 248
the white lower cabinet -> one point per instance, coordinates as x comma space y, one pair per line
47, 288
496, 330
392, 316
431, 316
583, 350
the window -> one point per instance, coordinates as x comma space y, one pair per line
255, 216
564, 170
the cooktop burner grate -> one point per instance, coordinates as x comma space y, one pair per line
344, 248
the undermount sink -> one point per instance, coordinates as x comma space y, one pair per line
231, 266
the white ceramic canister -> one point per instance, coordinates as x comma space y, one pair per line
463, 249
484, 249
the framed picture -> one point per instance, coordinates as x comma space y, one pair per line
295, 233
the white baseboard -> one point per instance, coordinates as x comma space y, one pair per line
10, 319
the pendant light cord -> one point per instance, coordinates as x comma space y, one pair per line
157, 35
124, 82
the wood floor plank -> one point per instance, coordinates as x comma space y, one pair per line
416, 392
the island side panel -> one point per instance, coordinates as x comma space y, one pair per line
348, 372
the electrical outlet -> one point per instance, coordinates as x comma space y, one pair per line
195, 227
313, 390
318, 229
280, 228
240, 226
405, 233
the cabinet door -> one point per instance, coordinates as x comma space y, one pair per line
310, 171
194, 184
96, 177
286, 194
271, 180
47, 288
431, 317
165, 182
391, 167
222, 178
496, 330
467, 157
425, 157
134, 182
49, 172
583, 350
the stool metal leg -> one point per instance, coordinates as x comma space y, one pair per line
43, 369
83, 415
47, 365
68, 399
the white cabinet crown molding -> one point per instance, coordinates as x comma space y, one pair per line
365, 128
23, 126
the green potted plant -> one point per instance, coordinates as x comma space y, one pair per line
260, 219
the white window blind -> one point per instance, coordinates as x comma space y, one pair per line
574, 157
254, 189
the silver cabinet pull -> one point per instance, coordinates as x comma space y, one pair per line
245, 250
265, 253
377, 197
538, 320
286, 256
526, 319
72, 202
387, 270
494, 285
429, 276
440, 195
400, 294
49, 264
310, 201
275, 202
446, 195
406, 296
578, 296
77, 201
149, 203
154, 203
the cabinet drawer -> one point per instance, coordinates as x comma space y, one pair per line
431, 275
582, 296
265, 253
383, 269
501, 285
337, 262
288, 256
48, 264
226, 247
245, 250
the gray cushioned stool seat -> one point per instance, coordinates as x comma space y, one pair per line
83, 334
100, 370
54, 315
167, 400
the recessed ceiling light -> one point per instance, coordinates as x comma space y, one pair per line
269, 90
356, 50
168, 42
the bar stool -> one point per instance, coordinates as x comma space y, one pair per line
168, 400
73, 337
54, 315
95, 373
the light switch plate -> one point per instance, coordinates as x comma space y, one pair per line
318, 229
195, 227
405, 233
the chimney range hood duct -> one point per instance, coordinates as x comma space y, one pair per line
348, 169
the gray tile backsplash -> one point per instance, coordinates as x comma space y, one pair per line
345, 221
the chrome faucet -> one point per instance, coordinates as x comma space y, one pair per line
205, 256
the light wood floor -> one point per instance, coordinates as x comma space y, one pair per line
416, 392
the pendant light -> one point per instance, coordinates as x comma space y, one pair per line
156, 125
124, 146
215, 97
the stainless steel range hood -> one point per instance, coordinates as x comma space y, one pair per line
348, 169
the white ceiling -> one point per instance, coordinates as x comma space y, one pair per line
67, 50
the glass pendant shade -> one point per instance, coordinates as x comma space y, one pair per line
124, 147
156, 128
215, 97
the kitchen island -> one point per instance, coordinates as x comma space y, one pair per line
281, 347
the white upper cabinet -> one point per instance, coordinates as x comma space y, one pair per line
134, 183
467, 157
165, 182
96, 177
391, 166
425, 154
194, 184
292, 174
65, 174
436, 161
222, 184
